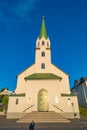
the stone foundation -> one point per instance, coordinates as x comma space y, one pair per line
15, 115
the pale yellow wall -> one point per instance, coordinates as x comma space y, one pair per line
23, 104
66, 105
54, 90
68, 110
21, 83
39, 59
34, 86
12, 107
65, 88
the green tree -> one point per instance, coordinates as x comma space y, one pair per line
5, 100
1, 97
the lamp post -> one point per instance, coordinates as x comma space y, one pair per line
73, 109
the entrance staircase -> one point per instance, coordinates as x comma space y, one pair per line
42, 117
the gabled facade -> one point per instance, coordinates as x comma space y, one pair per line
43, 86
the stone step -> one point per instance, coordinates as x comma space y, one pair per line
46, 116
59, 121
42, 117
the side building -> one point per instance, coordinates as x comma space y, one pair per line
80, 89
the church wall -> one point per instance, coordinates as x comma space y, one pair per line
65, 88
13, 104
34, 86
20, 108
55, 98
16, 110
21, 83
68, 107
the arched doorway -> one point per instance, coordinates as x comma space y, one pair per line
43, 100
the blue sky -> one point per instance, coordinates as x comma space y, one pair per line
20, 22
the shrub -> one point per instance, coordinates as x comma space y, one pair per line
83, 111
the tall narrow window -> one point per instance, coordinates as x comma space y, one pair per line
38, 44
43, 54
43, 43
42, 66
47, 44
17, 101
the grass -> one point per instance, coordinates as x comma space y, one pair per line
83, 111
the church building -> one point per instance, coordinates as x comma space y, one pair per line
43, 87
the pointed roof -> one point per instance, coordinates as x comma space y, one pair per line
43, 30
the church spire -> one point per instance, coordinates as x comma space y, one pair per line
43, 30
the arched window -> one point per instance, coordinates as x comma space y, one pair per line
38, 44
42, 66
47, 44
43, 54
43, 43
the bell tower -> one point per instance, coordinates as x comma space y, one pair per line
43, 50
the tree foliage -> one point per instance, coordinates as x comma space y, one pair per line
4, 99
83, 111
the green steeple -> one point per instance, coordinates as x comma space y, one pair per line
43, 30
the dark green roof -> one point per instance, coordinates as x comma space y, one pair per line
43, 30
42, 76
67, 95
18, 95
